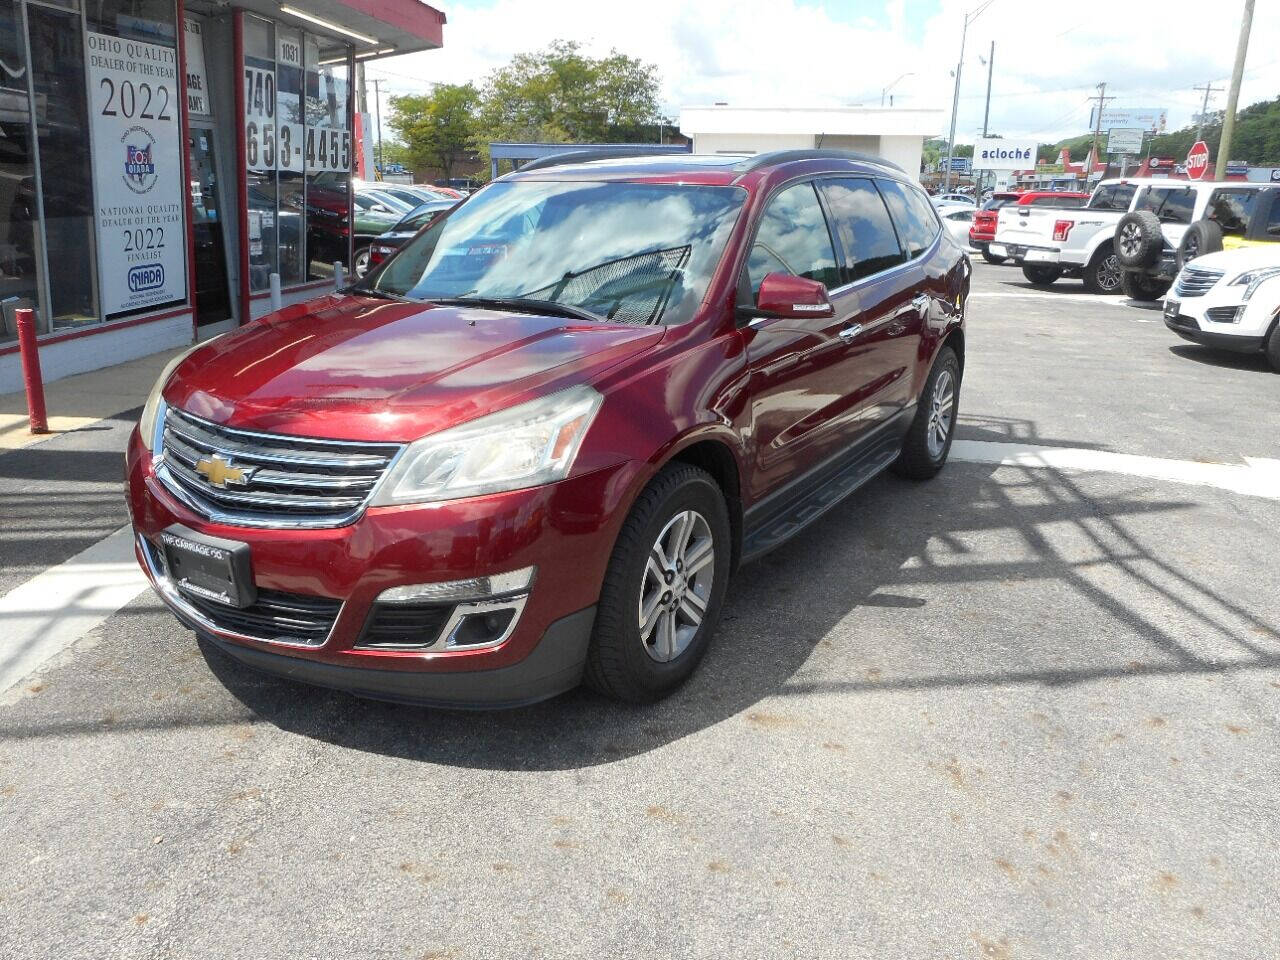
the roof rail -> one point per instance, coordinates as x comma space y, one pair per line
576, 156
773, 157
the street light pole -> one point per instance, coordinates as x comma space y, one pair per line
955, 108
986, 113
1237, 73
377, 106
885, 90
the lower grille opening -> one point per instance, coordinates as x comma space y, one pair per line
276, 616
404, 626
1221, 314
482, 629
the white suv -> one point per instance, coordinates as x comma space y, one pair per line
1229, 300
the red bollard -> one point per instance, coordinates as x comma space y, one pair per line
26, 320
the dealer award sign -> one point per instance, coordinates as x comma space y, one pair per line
137, 173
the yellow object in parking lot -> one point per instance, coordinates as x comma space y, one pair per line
1240, 243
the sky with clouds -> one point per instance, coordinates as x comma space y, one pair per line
1048, 56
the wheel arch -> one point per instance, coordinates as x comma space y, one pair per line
714, 452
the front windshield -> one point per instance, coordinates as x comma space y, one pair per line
626, 252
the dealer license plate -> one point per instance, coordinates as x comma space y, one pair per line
997, 250
208, 567
1171, 309
1041, 256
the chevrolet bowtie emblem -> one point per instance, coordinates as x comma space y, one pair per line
221, 473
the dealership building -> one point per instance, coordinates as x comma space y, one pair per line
104, 104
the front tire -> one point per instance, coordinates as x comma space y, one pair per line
1041, 274
1273, 347
663, 588
925, 449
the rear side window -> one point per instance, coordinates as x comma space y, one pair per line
1170, 205
1273, 225
913, 215
1233, 210
1115, 196
868, 242
793, 238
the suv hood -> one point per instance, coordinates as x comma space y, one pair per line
355, 368
1232, 262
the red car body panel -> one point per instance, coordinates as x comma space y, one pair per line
777, 400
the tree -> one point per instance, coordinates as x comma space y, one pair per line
560, 95
437, 128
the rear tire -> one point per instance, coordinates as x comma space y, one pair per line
1041, 274
925, 449
625, 661
1138, 286
1138, 240
990, 257
1202, 237
1104, 274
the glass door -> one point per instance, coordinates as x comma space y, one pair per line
20, 262
213, 301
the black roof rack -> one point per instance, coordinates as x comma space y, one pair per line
774, 157
578, 156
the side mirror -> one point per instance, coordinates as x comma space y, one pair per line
786, 295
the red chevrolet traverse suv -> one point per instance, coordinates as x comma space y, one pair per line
532, 447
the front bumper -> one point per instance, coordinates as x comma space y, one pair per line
1220, 317
565, 530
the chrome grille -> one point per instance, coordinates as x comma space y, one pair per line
1196, 281
292, 481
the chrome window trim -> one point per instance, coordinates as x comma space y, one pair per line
164, 586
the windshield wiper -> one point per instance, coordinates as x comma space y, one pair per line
379, 294
524, 304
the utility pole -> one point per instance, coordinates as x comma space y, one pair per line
377, 106
1233, 95
1204, 111
1102, 99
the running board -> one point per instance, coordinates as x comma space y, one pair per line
816, 493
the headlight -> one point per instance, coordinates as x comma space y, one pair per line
1253, 279
151, 423
528, 445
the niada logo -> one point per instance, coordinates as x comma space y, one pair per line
148, 276
139, 159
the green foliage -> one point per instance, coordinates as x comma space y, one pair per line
436, 128
1256, 139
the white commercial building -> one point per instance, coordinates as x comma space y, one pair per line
895, 133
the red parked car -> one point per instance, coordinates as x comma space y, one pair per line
983, 231
533, 445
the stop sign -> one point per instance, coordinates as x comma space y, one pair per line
1197, 160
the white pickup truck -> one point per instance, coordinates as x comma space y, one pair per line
1049, 243
1134, 234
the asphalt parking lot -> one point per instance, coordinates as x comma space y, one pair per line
1025, 710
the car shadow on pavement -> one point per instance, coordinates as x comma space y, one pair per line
857, 603
1222, 358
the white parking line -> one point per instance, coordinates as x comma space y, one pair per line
42, 617
1256, 477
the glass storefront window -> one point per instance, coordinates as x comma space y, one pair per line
151, 21
290, 144
260, 149
19, 276
328, 154
62, 117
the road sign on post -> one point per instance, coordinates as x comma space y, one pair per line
1197, 160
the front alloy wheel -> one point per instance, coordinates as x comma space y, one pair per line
676, 587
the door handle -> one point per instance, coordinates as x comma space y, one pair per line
848, 333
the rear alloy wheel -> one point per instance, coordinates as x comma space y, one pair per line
1138, 286
1041, 274
662, 592
928, 441
1104, 274
990, 257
